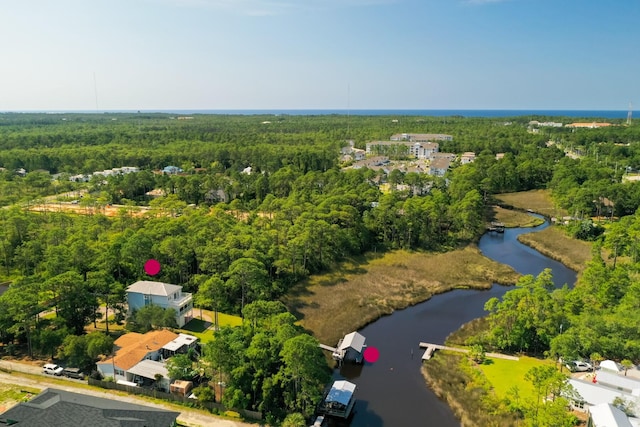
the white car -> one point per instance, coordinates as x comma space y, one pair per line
52, 369
579, 366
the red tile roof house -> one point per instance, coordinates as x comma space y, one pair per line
139, 357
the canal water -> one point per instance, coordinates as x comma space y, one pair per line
392, 392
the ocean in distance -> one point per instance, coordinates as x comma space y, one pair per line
605, 114
585, 114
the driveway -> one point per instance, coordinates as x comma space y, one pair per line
187, 416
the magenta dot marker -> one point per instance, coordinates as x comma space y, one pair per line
371, 354
152, 267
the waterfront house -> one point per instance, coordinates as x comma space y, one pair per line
165, 295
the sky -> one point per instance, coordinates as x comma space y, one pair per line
102, 55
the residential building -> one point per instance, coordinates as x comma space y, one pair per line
592, 392
607, 415
467, 157
421, 137
165, 295
139, 358
172, 170
54, 407
418, 150
592, 125
439, 167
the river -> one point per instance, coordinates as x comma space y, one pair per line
392, 391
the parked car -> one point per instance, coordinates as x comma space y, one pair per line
73, 373
52, 369
579, 366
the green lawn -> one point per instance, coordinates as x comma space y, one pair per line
203, 329
505, 374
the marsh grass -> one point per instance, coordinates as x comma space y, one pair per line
538, 201
362, 290
555, 244
513, 218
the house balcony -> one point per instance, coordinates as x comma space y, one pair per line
177, 304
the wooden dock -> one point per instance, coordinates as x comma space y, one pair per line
498, 227
431, 348
328, 348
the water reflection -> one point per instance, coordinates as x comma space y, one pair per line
392, 391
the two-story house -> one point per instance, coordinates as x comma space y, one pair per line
165, 295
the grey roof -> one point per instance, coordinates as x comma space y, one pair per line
53, 408
353, 340
149, 368
147, 287
341, 392
607, 415
595, 393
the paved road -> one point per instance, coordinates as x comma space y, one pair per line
187, 416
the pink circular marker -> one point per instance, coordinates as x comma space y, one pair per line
152, 267
371, 354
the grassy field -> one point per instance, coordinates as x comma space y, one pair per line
504, 374
361, 291
555, 244
11, 395
536, 200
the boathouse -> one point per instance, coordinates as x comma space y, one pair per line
339, 400
350, 347
498, 227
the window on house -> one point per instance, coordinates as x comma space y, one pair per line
147, 299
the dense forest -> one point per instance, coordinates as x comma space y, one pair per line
236, 239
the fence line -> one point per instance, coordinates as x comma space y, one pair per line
172, 397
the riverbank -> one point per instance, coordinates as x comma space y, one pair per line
555, 244
360, 291
538, 201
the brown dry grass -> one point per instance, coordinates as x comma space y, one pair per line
553, 243
537, 200
359, 292
513, 218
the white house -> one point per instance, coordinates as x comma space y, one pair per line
165, 295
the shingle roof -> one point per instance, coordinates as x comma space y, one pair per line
134, 349
53, 408
148, 287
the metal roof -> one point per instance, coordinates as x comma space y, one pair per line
341, 392
353, 340
148, 287
182, 340
149, 369
607, 415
